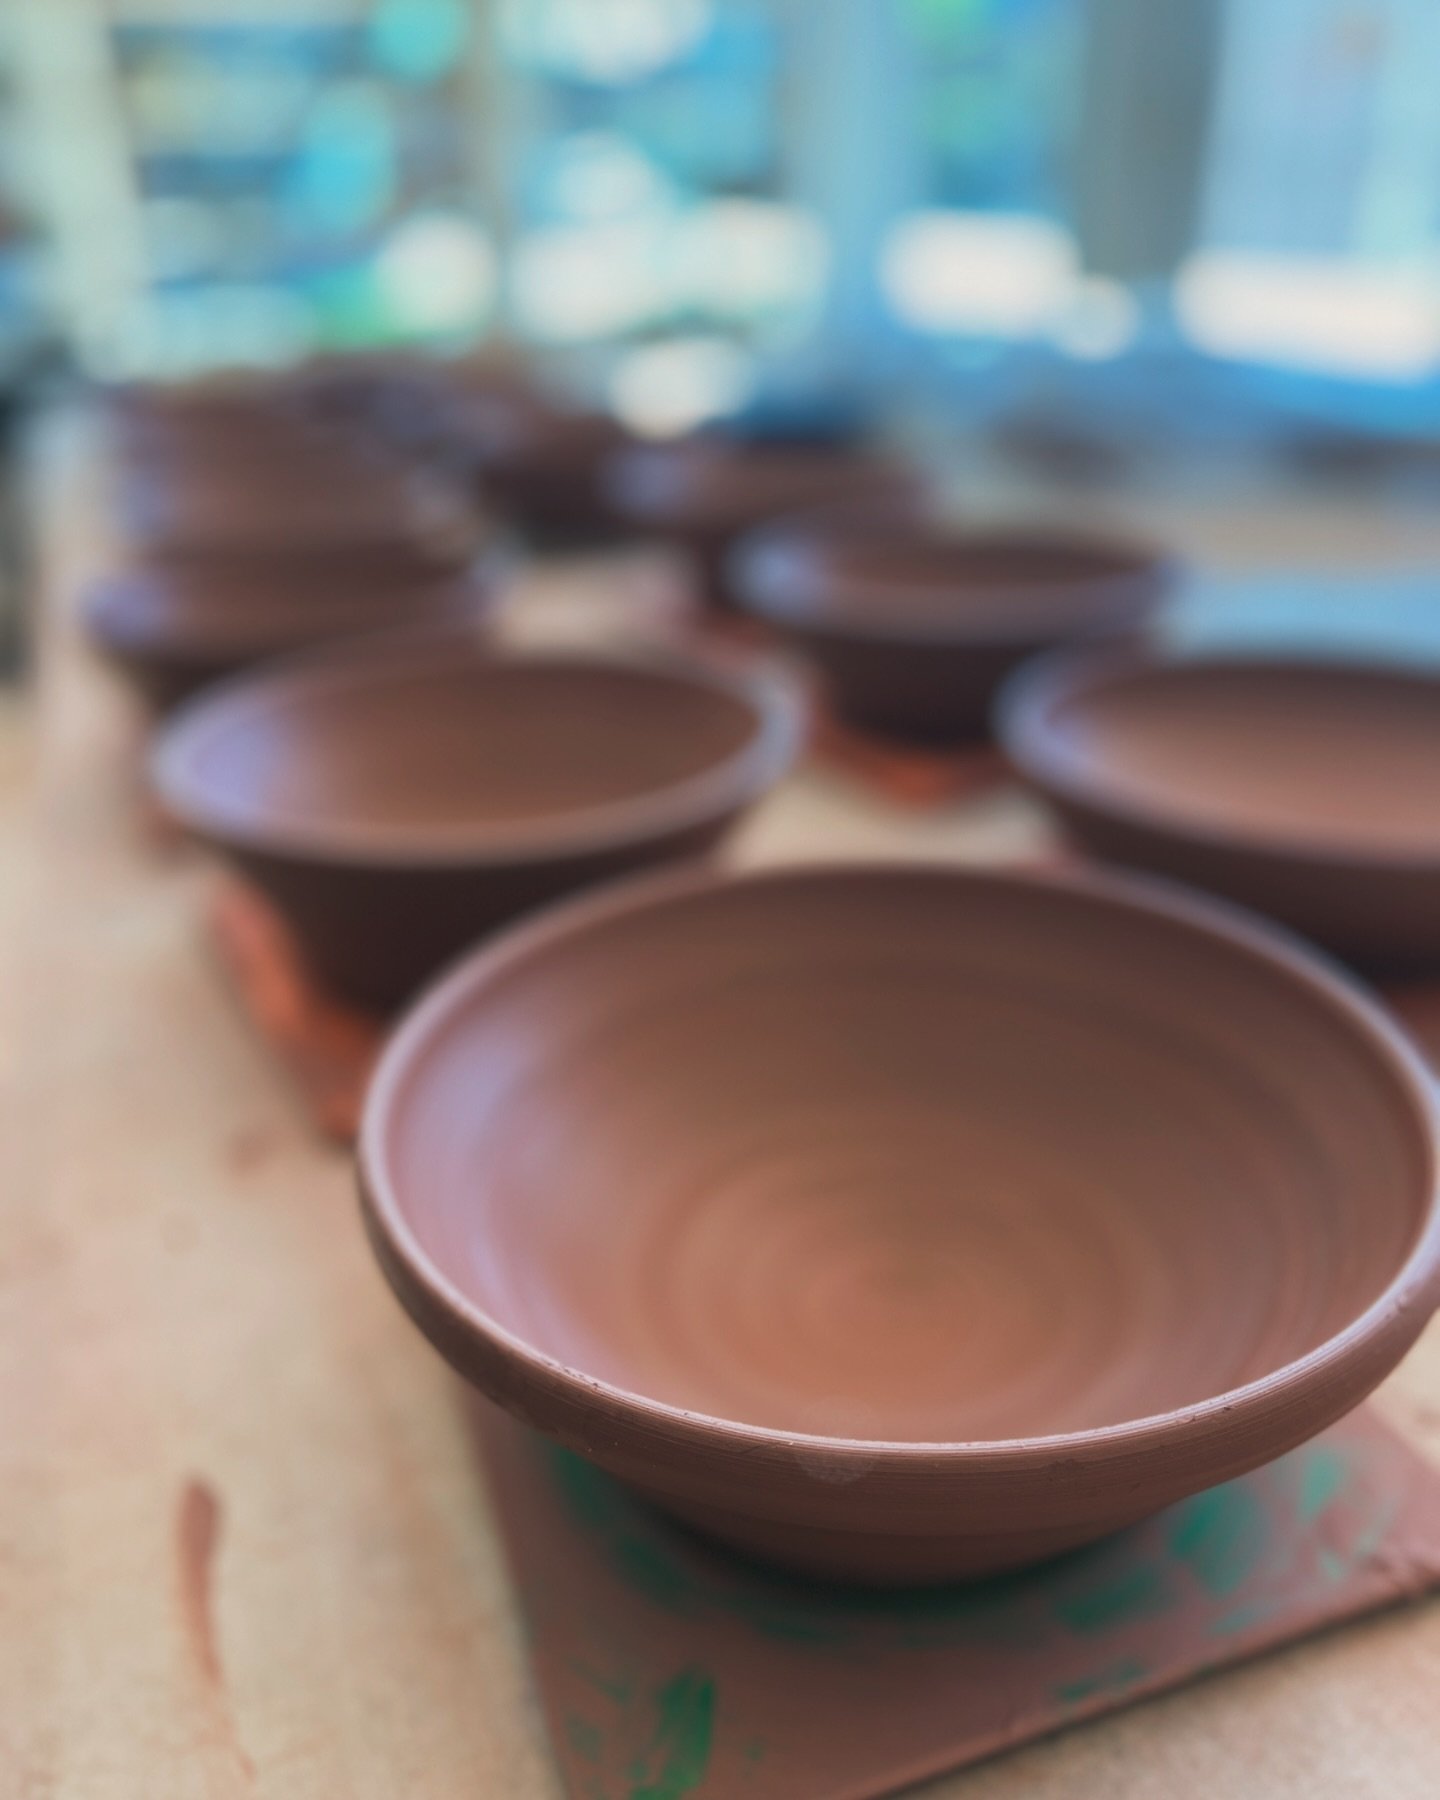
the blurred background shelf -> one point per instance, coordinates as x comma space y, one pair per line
1175, 249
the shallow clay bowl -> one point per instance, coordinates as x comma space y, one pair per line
913, 627
704, 494
396, 801
904, 1223
541, 464
1307, 790
358, 505
174, 629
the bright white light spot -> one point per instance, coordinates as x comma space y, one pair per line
573, 283
597, 175
436, 272
665, 389
609, 41
742, 258
984, 274
1313, 313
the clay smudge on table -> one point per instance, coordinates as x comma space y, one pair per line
198, 1524
197, 1533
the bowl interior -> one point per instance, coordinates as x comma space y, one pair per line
1335, 756
904, 1155
410, 747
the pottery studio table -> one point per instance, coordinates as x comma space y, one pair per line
245, 1548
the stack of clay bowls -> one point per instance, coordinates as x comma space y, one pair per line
703, 494
913, 625
893, 1223
249, 529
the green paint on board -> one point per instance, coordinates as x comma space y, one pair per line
1113, 1680
754, 1751
639, 1553
1136, 1593
1321, 1478
1219, 1536
689, 1579
679, 1753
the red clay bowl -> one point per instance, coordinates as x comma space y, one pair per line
540, 463
171, 631
914, 627
300, 505
1304, 789
398, 800
706, 493
903, 1223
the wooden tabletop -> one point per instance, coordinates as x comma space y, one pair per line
244, 1546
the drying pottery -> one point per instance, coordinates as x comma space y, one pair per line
397, 800
540, 463
296, 506
914, 627
901, 1223
1304, 789
174, 629
705, 493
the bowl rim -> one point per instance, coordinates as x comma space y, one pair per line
677, 505
1044, 757
773, 697
425, 1289
758, 573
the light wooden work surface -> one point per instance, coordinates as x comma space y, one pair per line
244, 1549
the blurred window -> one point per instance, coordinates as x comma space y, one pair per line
303, 178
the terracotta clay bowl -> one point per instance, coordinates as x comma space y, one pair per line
705, 493
539, 463
914, 626
399, 799
1304, 789
173, 629
905, 1223
302, 504
199, 416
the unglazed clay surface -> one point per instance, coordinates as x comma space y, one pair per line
174, 627
1285, 754
1305, 790
903, 1156
915, 626
707, 492
397, 799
